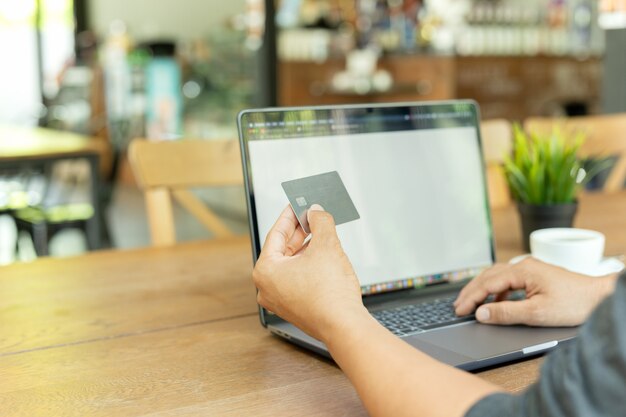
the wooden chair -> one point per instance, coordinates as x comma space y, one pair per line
606, 137
168, 169
497, 141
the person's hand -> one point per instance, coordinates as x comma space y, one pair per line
554, 296
312, 285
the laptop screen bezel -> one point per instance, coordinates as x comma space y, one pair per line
268, 318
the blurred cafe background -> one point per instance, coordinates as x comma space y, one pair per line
79, 79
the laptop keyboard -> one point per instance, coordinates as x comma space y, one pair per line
411, 319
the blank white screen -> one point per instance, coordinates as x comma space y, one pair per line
420, 195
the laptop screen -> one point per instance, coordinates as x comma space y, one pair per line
414, 173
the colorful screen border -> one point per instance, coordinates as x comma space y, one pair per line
421, 281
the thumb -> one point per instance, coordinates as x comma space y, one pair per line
505, 312
321, 223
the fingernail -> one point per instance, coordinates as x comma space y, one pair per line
482, 314
316, 207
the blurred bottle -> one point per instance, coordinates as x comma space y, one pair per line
117, 71
514, 27
582, 21
164, 103
138, 59
117, 82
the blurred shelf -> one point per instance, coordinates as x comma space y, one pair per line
511, 87
416, 77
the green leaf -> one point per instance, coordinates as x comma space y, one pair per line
597, 166
543, 169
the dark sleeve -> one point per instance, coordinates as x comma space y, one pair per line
584, 378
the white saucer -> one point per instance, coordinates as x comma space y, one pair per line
608, 265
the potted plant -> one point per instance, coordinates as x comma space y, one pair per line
545, 174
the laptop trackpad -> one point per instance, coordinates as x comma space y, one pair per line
480, 341
438, 352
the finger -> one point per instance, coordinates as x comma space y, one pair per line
496, 282
305, 245
477, 282
506, 312
280, 234
296, 241
321, 223
493, 270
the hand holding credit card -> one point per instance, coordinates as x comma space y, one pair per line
327, 190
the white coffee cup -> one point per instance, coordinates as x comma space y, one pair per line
578, 250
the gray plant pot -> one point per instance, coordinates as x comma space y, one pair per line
535, 217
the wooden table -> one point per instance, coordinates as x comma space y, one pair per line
24, 143
174, 331
24, 148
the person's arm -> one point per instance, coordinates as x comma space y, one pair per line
394, 379
314, 286
316, 289
554, 296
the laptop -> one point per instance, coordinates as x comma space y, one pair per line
415, 174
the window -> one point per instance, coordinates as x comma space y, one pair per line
23, 75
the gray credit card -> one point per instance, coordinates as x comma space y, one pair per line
327, 190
